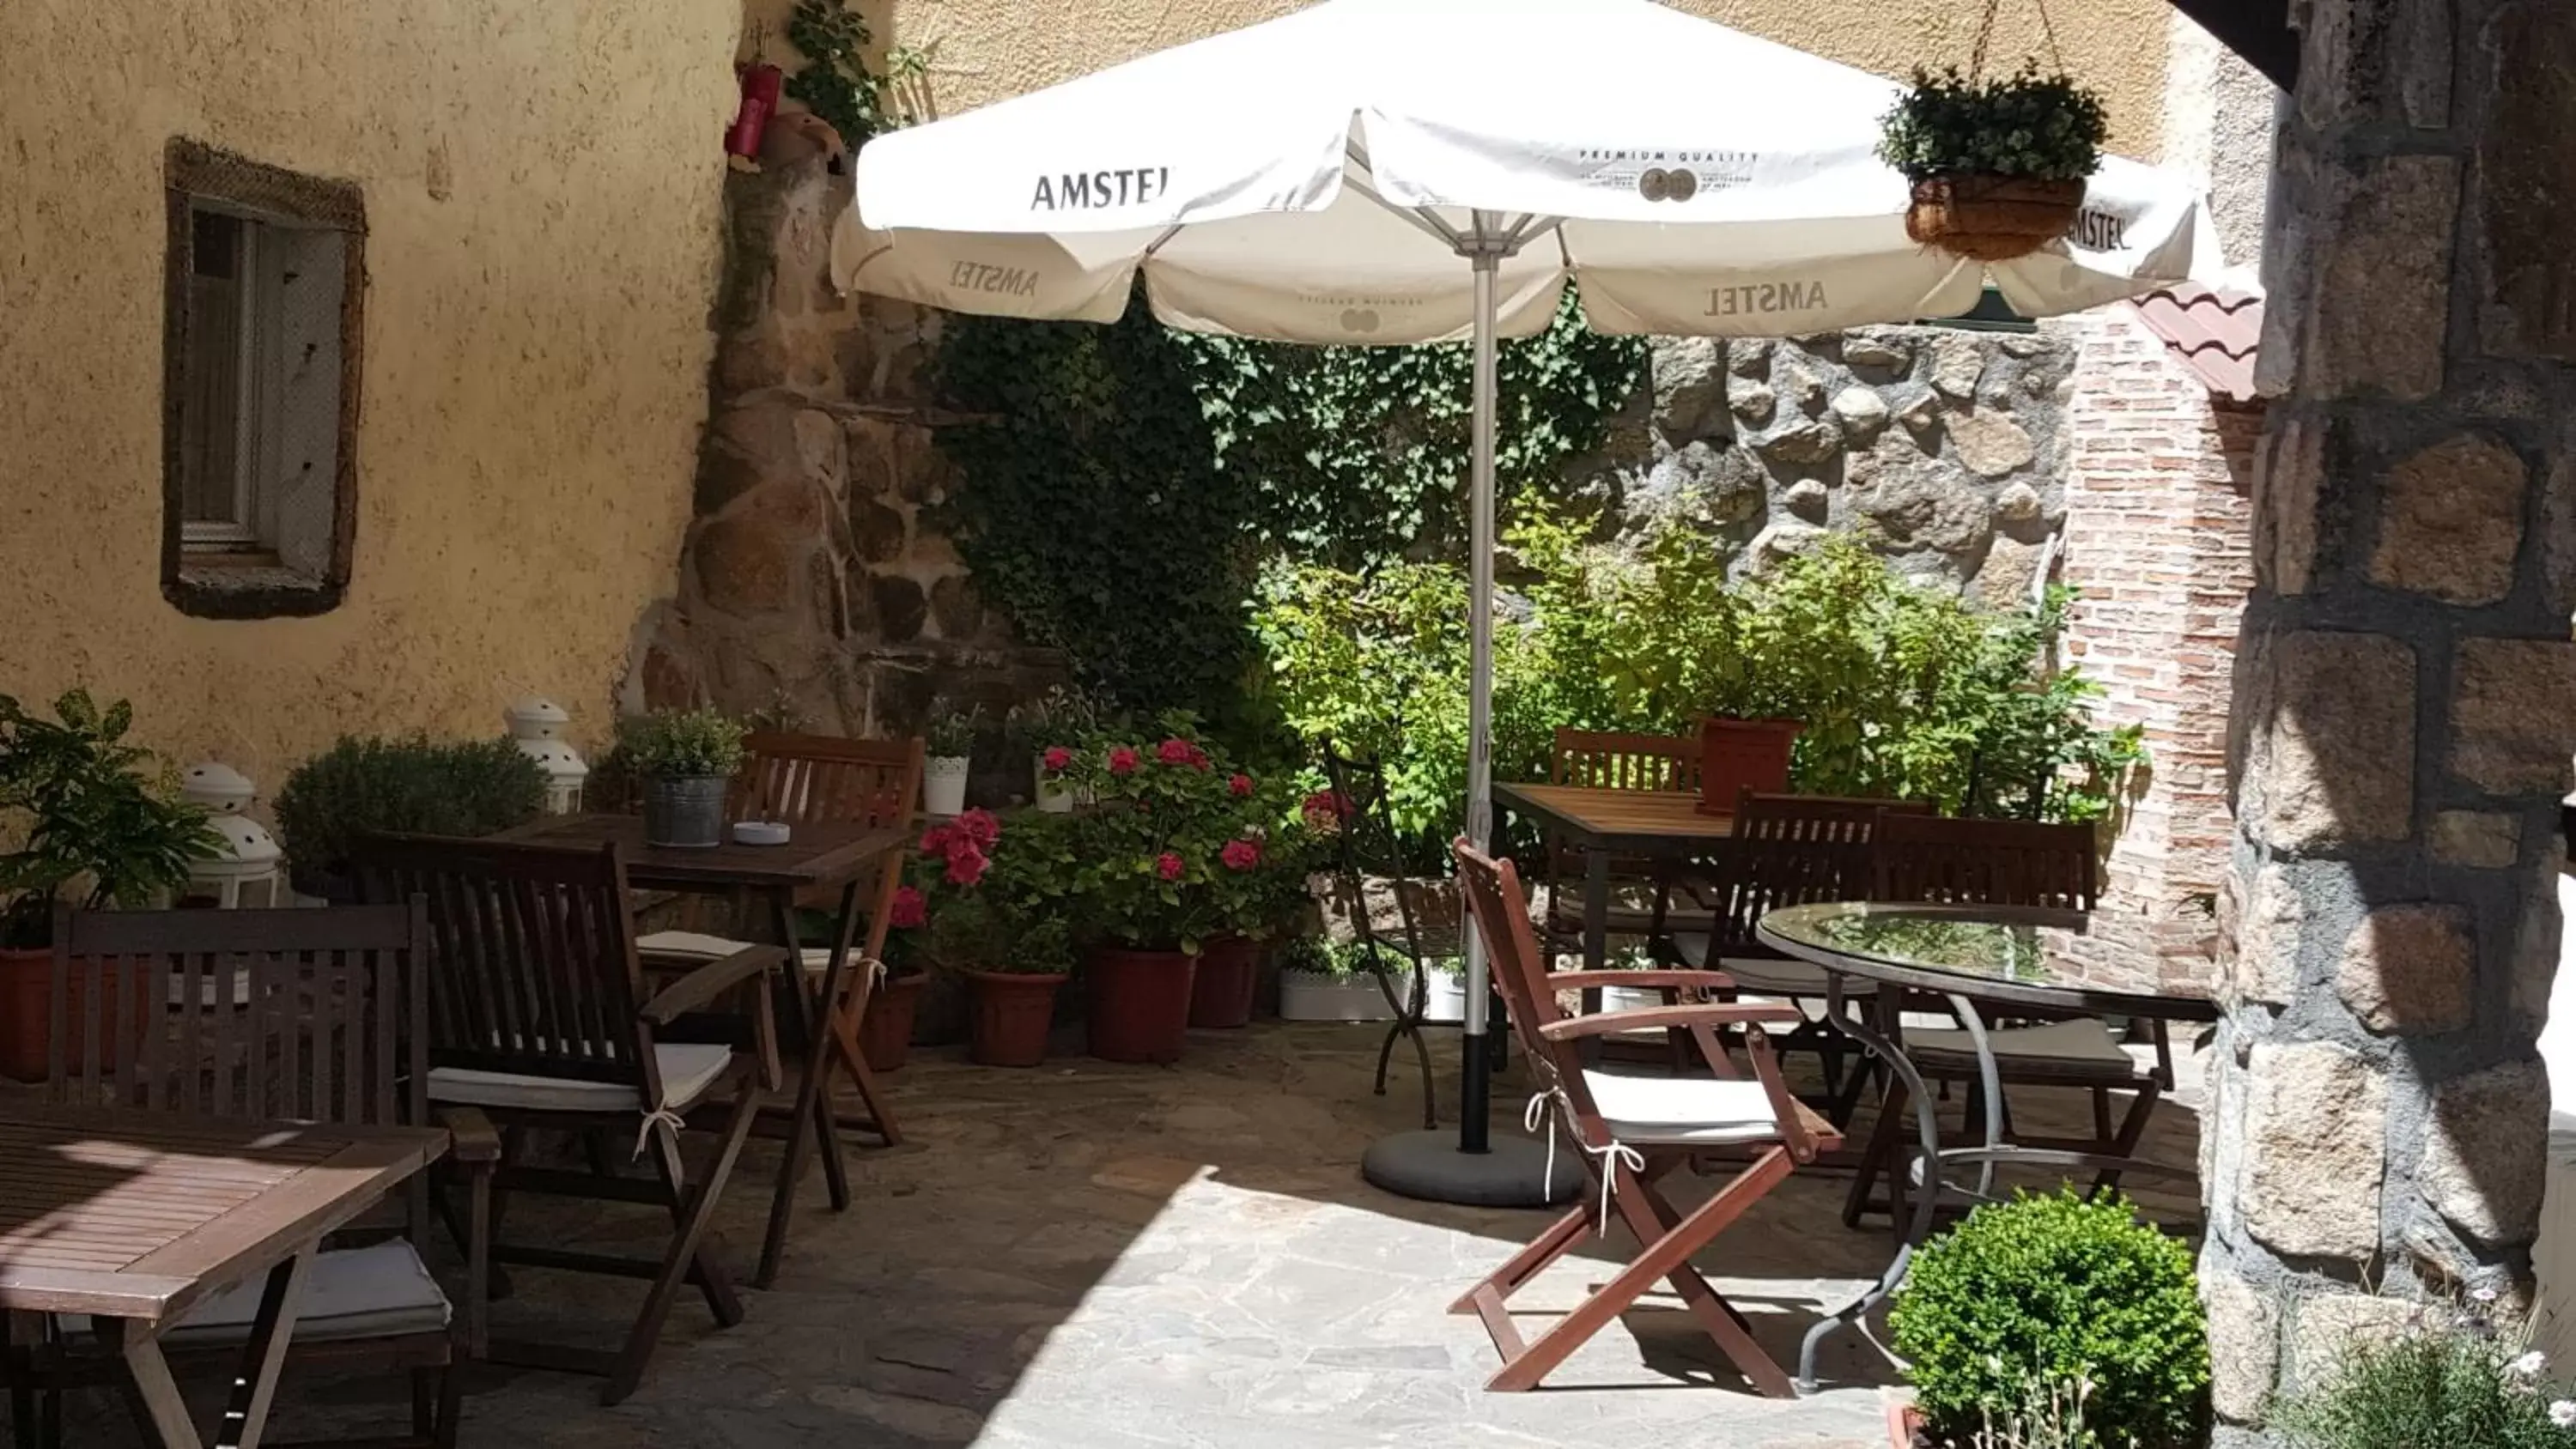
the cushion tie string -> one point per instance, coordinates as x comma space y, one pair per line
1535, 1118
1614, 1154
658, 1117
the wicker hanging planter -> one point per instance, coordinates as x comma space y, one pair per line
1991, 218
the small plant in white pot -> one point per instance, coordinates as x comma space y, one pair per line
683, 762
950, 742
1320, 980
1055, 728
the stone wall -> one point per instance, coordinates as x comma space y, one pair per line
2159, 525
1945, 449
2403, 730
812, 584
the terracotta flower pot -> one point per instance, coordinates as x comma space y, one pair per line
1012, 1012
1221, 992
1742, 754
1140, 1003
885, 1033
26, 1015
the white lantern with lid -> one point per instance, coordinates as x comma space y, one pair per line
249, 856
537, 724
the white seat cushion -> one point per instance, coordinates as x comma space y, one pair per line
688, 1069
1650, 1109
2085, 1042
698, 946
374, 1292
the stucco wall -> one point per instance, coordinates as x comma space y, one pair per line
542, 182
984, 50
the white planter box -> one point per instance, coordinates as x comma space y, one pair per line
1629, 998
943, 784
1444, 997
1314, 996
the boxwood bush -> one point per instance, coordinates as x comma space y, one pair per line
413, 785
2058, 1289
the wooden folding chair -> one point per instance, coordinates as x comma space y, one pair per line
1789, 850
2005, 863
1630, 1131
537, 1015
288, 1015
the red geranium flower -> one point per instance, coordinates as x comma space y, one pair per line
1057, 758
1198, 758
1175, 751
1168, 866
1239, 787
1122, 761
1325, 810
1241, 854
935, 840
911, 908
979, 827
966, 866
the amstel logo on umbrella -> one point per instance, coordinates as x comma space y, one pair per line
1097, 190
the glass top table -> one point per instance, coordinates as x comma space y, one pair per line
2009, 954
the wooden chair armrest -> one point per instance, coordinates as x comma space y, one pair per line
471, 1137
1656, 1017
1641, 976
699, 989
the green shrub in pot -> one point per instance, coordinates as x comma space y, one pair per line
99, 821
2057, 1289
411, 785
684, 761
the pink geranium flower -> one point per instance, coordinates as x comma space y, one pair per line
967, 866
1240, 854
1122, 761
1168, 866
1057, 758
1239, 787
1174, 751
1325, 810
980, 827
911, 908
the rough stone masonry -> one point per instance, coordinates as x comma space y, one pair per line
2406, 707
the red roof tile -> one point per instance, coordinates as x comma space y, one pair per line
2214, 331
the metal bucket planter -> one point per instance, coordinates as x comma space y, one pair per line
685, 813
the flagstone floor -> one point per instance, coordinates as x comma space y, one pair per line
1095, 1257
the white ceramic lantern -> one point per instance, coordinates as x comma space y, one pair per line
246, 868
538, 725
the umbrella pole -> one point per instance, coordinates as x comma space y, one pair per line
1470, 1168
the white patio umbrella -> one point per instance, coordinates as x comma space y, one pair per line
1403, 171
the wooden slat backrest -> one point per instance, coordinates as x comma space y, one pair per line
1607, 761
1796, 850
286, 1014
1501, 913
532, 961
809, 778
1985, 862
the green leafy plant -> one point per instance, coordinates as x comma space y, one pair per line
412, 785
99, 820
2454, 1377
835, 82
680, 744
2057, 1289
2051, 1415
951, 732
2043, 127
1063, 718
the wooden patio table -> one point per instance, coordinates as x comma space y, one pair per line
1603, 823
819, 854
133, 1217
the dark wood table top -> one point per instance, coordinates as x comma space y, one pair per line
819, 853
1628, 820
137, 1215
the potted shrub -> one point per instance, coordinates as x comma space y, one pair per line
1322, 981
2049, 1291
950, 746
412, 785
99, 823
683, 762
1998, 165
1054, 729
1259, 890
992, 915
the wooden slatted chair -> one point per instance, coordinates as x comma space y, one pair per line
538, 1016
291, 1015
1630, 1131
1789, 850
1609, 761
2005, 863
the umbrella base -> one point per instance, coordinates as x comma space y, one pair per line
1429, 1166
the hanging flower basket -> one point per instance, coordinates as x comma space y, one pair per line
1992, 218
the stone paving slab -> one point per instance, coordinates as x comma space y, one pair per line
1086, 1256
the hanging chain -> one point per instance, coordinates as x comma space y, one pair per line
1986, 33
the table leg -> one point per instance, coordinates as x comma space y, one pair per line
1596, 920
1927, 1122
153, 1394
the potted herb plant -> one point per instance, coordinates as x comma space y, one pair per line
412, 785
1999, 164
684, 762
950, 741
1055, 728
100, 823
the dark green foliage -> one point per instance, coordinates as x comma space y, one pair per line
2044, 127
99, 822
2055, 1290
414, 785
680, 744
835, 82
2449, 1381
